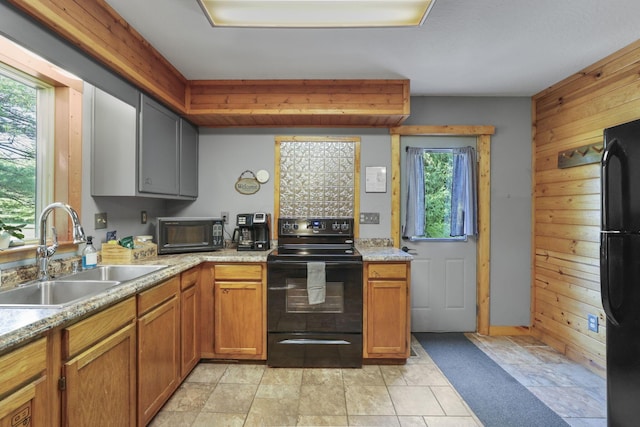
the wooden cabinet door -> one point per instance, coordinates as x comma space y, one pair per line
190, 332
158, 357
23, 386
101, 383
386, 324
238, 329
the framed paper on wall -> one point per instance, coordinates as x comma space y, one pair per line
376, 179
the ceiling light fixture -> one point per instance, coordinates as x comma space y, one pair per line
316, 13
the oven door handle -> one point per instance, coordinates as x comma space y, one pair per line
282, 288
308, 341
327, 263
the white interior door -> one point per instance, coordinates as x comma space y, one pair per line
443, 273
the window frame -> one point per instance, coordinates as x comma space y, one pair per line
66, 155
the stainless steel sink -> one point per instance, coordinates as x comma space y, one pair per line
119, 273
53, 293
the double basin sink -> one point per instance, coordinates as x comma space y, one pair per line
73, 288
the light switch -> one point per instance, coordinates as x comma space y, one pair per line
100, 221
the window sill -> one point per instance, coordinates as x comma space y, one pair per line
28, 251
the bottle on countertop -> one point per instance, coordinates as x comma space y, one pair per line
89, 255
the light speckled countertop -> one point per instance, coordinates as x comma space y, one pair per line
21, 325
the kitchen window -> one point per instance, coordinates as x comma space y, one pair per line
26, 144
58, 151
441, 193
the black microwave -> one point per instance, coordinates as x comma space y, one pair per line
189, 234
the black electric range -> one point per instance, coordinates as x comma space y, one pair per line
314, 295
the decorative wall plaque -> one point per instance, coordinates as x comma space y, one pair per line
247, 185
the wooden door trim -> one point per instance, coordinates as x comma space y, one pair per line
483, 147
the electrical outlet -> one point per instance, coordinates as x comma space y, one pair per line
593, 322
143, 217
225, 216
369, 217
100, 220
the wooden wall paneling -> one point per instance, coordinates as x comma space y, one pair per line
626, 55
568, 246
570, 217
594, 79
580, 186
566, 217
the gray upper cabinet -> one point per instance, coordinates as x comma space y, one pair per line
159, 149
113, 145
153, 153
188, 159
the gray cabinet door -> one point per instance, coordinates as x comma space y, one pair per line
159, 149
188, 159
113, 148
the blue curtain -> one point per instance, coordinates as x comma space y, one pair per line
414, 221
464, 198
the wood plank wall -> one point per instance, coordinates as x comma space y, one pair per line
566, 202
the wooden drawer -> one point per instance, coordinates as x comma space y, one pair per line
387, 271
22, 364
238, 272
189, 278
158, 294
83, 334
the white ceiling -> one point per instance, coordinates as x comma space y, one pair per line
465, 47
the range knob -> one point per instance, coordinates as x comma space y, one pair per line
345, 226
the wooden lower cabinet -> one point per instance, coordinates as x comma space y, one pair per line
233, 302
23, 386
99, 373
158, 347
387, 310
190, 320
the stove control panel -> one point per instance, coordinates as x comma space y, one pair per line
315, 226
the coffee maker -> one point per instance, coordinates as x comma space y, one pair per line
253, 232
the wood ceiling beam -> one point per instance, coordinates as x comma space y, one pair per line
99, 31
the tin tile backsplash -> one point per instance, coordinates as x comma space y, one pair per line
317, 178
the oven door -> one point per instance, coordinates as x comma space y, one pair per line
291, 310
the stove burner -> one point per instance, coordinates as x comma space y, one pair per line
319, 238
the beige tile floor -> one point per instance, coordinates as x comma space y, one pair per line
571, 390
415, 394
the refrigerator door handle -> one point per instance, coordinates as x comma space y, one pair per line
613, 149
605, 285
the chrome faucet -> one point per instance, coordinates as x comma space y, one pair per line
43, 253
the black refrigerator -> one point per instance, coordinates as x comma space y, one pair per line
620, 270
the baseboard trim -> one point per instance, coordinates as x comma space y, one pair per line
496, 331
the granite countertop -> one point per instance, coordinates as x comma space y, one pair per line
383, 253
21, 325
